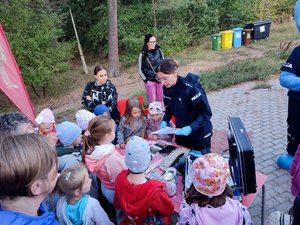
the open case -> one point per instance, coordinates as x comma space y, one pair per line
241, 160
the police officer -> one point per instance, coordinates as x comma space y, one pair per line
185, 99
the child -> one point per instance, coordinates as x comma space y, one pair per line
101, 91
68, 151
100, 155
155, 117
28, 174
46, 122
83, 117
139, 198
133, 123
208, 200
75, 207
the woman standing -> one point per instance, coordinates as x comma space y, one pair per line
187, 102
101, 91
149, 60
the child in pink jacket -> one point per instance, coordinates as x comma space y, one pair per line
100, 156
208, 200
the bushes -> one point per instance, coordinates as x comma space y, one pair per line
32, 31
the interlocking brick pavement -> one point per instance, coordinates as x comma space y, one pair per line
263, 113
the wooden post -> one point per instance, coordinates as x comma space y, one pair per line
79, 46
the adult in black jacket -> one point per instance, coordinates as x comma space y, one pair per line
185, 99
149, 60
101, 91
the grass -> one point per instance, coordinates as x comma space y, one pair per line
241, 71
257, 68
263, 85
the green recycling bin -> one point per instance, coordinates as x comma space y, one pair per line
216, 41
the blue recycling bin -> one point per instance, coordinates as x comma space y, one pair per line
237, 37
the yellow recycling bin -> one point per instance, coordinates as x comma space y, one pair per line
227, 39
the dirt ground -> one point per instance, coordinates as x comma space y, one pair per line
129, 83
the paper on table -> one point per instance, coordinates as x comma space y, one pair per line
166, 130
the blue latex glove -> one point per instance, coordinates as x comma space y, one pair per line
185, 131
163, 124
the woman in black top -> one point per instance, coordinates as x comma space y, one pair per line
149, 60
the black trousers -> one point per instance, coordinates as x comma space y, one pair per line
293, 123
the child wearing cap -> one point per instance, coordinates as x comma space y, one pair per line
83, 117
139, 198
154, 120
46, 125
208, 200
68, 150
46, 122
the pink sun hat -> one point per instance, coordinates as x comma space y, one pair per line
209, 174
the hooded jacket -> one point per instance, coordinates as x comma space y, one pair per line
93, 213
232, 212
106, 162
142, 200
16, 218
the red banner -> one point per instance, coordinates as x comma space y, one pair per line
11, 82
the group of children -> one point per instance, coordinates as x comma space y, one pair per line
122, 177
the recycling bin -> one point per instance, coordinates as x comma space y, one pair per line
227, 39
237, 37
246, 37
260, 29
216, 41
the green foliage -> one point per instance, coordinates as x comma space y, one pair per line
173, 39
32, 31
235, 73
184, 22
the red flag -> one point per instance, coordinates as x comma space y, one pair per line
11, 82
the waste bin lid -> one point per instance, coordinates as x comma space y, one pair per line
226, 32
237, 29
216, 35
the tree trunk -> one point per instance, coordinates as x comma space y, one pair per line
113, 53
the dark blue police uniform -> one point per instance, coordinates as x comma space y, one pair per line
188, 103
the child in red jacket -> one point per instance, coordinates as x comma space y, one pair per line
142, 200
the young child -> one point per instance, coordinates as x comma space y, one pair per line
28, 174
100, 155
133, 122
46, 122
208, 201
136, 196
155, 117
75, 207
68, 151
83, 117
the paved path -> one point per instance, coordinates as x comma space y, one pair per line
263, 113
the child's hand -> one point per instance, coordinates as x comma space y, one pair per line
117, 146
88, 98
152, 136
